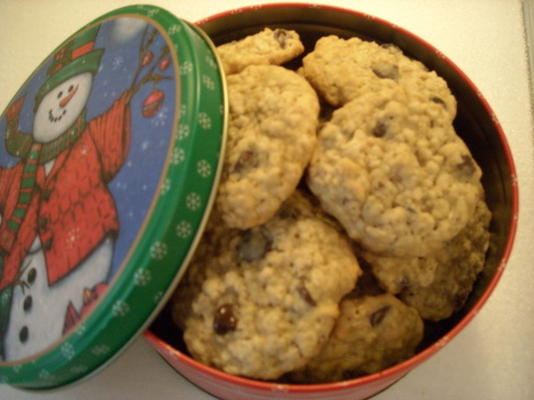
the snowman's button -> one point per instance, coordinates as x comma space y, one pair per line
32, 274
23, 334
27, 304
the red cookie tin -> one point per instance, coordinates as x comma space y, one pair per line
475, 123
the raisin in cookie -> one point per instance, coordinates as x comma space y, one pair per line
274, 299
458, 266
271, 137
266, 47
342, 70
399, 181
371, 333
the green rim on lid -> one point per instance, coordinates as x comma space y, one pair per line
108, 166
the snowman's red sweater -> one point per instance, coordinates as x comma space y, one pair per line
72, 209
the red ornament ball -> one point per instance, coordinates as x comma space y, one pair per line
164, 64
153, 103
147, 58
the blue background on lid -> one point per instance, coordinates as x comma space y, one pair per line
133, 188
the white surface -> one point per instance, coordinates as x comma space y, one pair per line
493, 358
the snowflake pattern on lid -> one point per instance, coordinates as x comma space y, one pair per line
174, 29
67, 350
186, 68
193, 201
210, 60
184, 229
178, 156
78, 369
204, 168
158, 250
157, 296
100, 349
165, 186
208, 82
120, 309
183, 131
142, 277
204, 120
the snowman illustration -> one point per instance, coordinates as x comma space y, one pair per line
59, 219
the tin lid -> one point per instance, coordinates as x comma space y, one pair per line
109, 160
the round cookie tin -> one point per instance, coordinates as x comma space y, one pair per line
475, 123
109, 160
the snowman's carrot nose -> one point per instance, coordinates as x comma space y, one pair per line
64, 101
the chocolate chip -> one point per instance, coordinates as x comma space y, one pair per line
382, 127
467, 166
306, 296
378, 316
224, 320
254, 245
386, 71
247, 160
281, 37
439, 100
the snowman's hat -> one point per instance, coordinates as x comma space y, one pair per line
75, 57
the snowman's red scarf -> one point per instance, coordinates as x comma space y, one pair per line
19, 144
33, 154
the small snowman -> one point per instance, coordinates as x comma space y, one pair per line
59, 220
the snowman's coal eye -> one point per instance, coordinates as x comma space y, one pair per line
70, 88
59, 95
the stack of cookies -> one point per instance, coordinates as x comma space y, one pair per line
349, 212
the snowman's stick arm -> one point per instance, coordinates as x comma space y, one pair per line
142, 49
149, 76
164, 52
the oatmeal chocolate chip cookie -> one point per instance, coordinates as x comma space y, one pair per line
269, 46
216, 239
400, 182
371, 333
342, 70
212, 244
395, 274
271, 137
458, 266
274, 299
